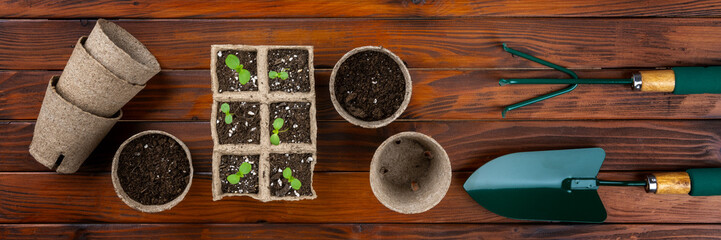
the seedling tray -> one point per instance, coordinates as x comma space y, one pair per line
255, 99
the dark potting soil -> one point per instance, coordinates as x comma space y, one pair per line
245, 128
153, 169
370, 86
295, 63
297, 121
228, 78
229, 164
300, 165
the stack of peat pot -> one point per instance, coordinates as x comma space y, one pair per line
105, 71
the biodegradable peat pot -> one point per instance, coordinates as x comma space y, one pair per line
86, 83
370, 87
410, 173
121, 53
65, 135
152, 171
254, 106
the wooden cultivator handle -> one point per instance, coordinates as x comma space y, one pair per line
680, 80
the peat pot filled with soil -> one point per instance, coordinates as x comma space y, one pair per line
370, 86
410, 173
152, 171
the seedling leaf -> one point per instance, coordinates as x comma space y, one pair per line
225, 108
244, 168
287, 173
283, 75
274, 139
243, 76
228, 118
232, 61
234, 179
273, 74
295, 183
278, 123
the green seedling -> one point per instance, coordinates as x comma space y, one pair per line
225, 108
277, 125
294, 182
282, 75
233, 62
242, 170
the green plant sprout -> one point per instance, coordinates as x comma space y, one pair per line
282, 75
225, 108
242, 170
294, 182
233, 62
277, 125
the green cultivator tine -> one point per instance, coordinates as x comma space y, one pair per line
542, 97
555, 185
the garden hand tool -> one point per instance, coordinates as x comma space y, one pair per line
561, 185
678, 80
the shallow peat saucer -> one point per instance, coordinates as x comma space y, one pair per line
152, 171
370, 87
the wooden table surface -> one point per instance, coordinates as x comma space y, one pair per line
453, 50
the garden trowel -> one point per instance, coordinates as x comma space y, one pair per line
561, 185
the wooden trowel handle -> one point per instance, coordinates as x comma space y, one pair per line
669, 183
695, 182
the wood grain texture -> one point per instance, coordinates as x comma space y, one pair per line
365, 9
437, 95
438, 43
359, 231
629, 145
342, 198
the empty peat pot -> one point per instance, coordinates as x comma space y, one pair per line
91, 86
64, 134
152, 171
370, 87
410, 173
121, 53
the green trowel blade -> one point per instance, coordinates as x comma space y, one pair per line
537, 185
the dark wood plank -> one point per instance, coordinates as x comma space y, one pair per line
342, 198
630, 145
360, 231
439, 43
367, 9
437, 95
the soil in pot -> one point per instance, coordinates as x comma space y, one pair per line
245, 126
228, 78
229, 164
153, 169
297, 121
300, 164
295, 63
370, 86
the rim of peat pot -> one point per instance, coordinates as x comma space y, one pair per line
121, 52
378, 123
410, 173
139, 206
